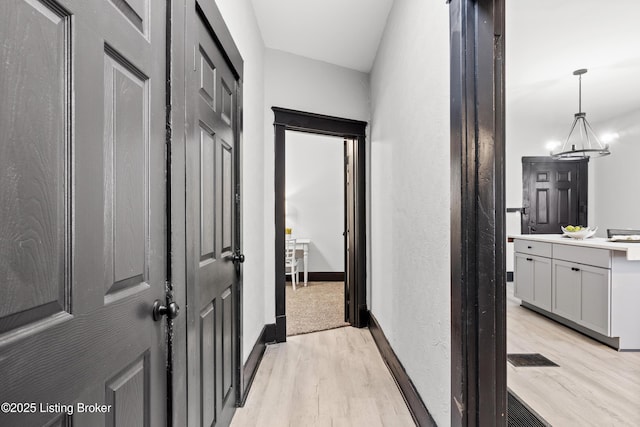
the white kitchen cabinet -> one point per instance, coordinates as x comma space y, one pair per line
581, 293
533, 279
590, 285
595, 301
566, 290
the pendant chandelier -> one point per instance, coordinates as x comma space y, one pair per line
585, 142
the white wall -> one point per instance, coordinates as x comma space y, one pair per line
618, 175
541, 95
410, 196
239, 17
315, 197
303, 84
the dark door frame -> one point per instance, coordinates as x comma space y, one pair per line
286, 119
181, 61
478, 294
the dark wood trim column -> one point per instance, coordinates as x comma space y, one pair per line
360, 317
280, 162
478, 310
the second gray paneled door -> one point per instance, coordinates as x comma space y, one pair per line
211, 221
82, 212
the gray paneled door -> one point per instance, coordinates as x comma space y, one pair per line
82, 211
211, 93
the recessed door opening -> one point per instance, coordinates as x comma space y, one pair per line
563, 303
315, 231
320, 221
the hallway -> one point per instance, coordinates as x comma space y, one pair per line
329, 378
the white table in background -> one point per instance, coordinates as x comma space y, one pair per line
303, 243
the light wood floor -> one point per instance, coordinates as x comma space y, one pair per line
314, 379
594, 385
328, 378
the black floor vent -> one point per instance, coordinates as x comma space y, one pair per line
519, 414
529, 359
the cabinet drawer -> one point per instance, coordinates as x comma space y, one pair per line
533, 248
588, 256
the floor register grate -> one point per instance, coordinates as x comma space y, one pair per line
529, 359
520, 415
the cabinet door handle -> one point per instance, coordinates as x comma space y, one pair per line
529, 247
575, 269
529, 259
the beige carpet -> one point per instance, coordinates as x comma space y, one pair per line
316, 307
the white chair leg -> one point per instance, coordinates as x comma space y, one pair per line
293, 279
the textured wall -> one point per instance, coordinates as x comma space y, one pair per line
542, 96
315, 196
304, 84
617, 204
410, 203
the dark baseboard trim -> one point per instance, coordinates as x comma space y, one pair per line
326, 276
509, 276
364, 316
281, 328
255, 357
414, 402
320, 276
270, 333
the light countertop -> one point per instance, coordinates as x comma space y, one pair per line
632, 249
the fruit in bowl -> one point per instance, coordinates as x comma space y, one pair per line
578, 231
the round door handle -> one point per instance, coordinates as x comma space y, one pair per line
159, 310
238, 258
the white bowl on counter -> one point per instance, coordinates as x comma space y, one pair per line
584, 233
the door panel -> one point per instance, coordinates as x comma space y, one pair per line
210, 201
33, 160
82, 222
542, 205
125, 152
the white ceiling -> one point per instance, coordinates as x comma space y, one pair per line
546, 40
341, 32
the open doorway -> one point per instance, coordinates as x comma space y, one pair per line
541, 84
315, 224
353, 134
479, 297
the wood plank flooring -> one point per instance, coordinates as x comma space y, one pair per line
315, 380
328, 378
594, 385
